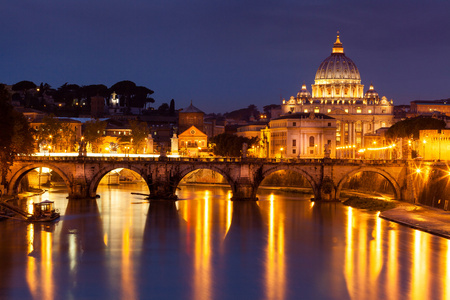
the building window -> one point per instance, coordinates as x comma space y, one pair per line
346, 110
305, 110
358, 126
329, 110
294, 143
311, 141
383, 124
329, 124
369, 111
294, 124
329, 142
293, 151
358, 110
383, 111
346, 127
316, 110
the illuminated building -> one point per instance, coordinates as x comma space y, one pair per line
300, 135
190, 116
430, 107
434, 144
338, 93
192, 141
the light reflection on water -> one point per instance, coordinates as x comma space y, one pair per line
205, 246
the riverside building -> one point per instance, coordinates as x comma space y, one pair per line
338, 93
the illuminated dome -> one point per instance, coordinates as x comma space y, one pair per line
303, 93
337, 66
371, 93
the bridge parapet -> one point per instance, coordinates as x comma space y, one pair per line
326, 176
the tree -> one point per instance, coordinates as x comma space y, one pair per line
15, 134
26, 90
268, 109
67, 93
132, 95
93, 133
163, 108
244, 113
411, 127
226, 144
49, 130
23, 86
172, 107
138, 138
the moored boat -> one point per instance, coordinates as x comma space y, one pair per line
43, 212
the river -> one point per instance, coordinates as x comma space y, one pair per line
205, 246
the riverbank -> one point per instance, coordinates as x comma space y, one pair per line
428, 219
424, 218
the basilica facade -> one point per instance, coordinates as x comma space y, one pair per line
337, 92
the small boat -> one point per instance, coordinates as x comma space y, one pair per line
44, 212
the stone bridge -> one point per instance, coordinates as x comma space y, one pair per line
82, 175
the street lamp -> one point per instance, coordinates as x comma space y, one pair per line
281, 152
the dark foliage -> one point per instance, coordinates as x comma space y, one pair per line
23, 86
15, 134
411, 127
226, 144
244, 113
132, 95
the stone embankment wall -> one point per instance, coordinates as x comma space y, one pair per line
432, 187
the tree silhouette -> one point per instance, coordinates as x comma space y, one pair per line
15, 134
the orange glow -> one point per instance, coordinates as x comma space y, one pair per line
202, 270
275, 260
418, 284
348, 267
392, 262
446, 279
31, 263
128, 288
46, 278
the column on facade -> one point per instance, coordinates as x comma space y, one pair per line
321, 145
353, 139
304, 144
362, 133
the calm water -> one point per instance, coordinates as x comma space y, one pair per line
207, 247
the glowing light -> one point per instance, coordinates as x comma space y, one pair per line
418, 170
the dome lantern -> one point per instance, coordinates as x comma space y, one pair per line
337, 47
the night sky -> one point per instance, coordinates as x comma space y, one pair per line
226, 55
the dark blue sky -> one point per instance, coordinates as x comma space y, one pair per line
226, 55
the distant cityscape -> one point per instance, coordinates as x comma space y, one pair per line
337, 119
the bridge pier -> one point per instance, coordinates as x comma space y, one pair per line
243, 189
162, 191
80, 190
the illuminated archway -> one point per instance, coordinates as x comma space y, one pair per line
387, 176
287, 180
93, 186
303, 173
184, 173
21, 173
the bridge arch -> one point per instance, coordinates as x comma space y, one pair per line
93, 185
13, 186
284, 167
386, 175
185, 171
